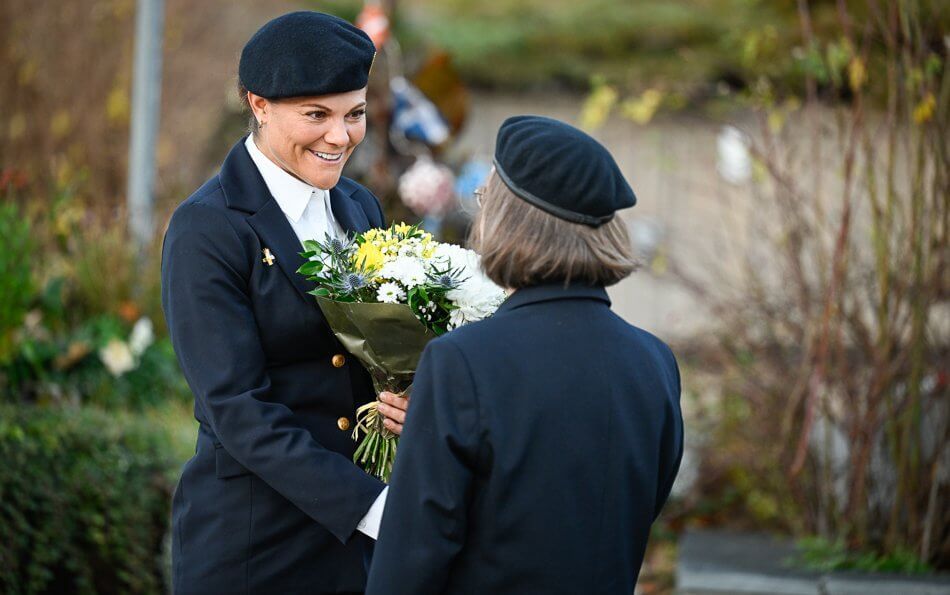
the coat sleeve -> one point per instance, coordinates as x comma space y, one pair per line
424, 523
214, 332
671, 446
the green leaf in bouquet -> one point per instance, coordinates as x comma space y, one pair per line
310, 267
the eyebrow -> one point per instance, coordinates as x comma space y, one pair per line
325, 108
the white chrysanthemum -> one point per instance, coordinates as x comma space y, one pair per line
117, 357
390, 293
476, 297
409, 271
455, 256
142, 336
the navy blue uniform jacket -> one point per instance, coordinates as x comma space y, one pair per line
539, 447
271, 499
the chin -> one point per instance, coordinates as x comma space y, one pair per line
325, 180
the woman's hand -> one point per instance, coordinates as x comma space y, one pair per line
393, 407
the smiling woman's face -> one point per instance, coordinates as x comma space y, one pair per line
311, 137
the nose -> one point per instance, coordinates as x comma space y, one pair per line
337, 134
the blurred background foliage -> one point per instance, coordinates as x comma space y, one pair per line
92, 405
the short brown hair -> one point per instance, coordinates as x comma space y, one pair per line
521, 245
252, 125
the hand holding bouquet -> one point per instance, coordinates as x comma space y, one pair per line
385, 294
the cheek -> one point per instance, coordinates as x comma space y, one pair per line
357, 132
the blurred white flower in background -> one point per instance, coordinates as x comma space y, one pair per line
428, 188
117, 357
143, 335
734, 162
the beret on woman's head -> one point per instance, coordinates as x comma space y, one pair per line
306, 53
560, 170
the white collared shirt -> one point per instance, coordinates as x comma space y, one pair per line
306, 208
309, 213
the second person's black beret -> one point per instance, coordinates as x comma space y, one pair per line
561, 170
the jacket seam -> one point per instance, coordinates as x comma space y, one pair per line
475, 399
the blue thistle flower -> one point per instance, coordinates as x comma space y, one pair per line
336, 245
446, 280
352, 282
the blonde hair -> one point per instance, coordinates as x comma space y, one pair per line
521, 245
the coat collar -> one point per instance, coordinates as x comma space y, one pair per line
553, 291
291, 194
245, 190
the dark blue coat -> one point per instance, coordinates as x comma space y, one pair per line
271, 499
539, 447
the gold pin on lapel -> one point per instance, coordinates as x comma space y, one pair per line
268, 257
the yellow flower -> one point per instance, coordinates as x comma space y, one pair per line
368, 256
403, 228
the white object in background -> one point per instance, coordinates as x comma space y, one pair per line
117, 357
734, 162
428, 188
143, 335
414, 116
646, 235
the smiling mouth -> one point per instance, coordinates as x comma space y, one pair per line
328, 157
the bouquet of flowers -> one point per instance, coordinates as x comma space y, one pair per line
385, 294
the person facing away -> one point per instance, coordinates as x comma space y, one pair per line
543, 442
272, 502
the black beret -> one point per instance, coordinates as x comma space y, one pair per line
306, 53
560, 170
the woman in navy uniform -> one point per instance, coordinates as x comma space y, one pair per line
541, 443
272, 502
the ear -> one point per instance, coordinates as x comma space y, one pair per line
260, 106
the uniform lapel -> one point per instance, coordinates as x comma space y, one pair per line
245, 190
278, 236
347, 212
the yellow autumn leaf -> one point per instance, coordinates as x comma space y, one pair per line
925, 109
117, 105
642, 109
61, 124
776, 121
597, 106
857, 74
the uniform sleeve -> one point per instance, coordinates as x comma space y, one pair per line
214, 332
671, 447
424, 524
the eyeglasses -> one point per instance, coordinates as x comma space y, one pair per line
479, 193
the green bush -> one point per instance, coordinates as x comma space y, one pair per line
84, 501
16, 283
71, 367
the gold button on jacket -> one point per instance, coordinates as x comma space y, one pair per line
343, 423
338, 360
